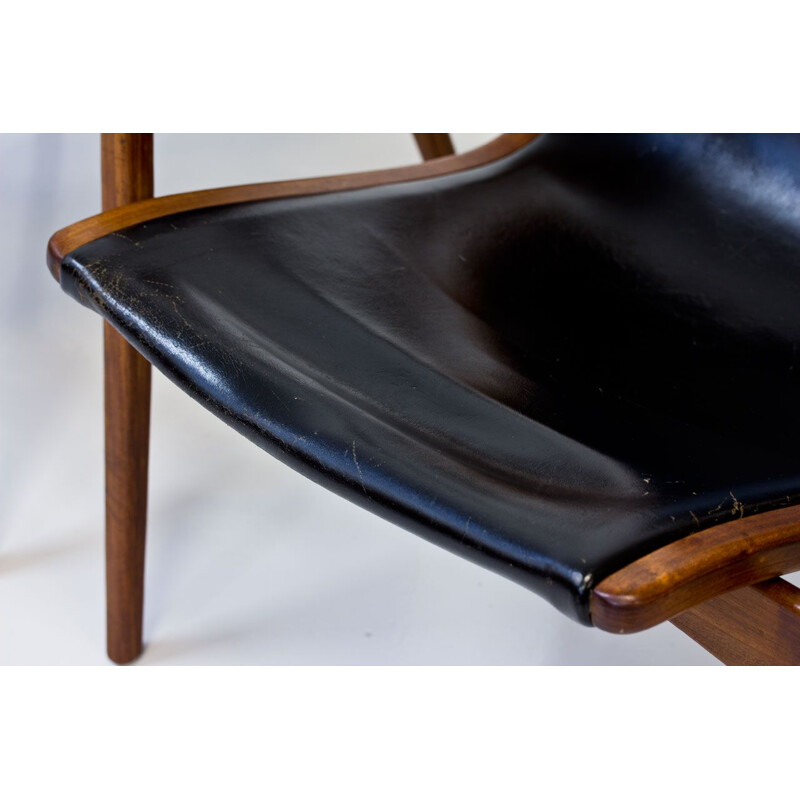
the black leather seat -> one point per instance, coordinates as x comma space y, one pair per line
551, 365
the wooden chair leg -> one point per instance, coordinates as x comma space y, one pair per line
434, 145
755, 626
127, 409
127, 167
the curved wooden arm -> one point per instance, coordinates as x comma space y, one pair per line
697, 568
70, 238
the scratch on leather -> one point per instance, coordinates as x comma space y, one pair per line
738, 506
358, 467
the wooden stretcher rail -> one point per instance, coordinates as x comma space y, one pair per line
755, 626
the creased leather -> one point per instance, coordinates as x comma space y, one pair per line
551, 365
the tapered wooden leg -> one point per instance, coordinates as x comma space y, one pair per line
434, 145
127, 167
127, 408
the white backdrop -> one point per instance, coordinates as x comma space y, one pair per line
247, 562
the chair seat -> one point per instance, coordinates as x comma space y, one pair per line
551, 365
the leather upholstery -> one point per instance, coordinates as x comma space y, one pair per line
550, 365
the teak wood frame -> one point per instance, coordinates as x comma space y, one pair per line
720, 586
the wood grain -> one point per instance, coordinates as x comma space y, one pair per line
434, 145
696, 569
127, 170
72, 237
755, 626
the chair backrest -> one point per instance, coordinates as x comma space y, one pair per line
654, 267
